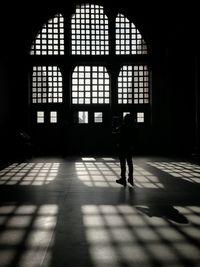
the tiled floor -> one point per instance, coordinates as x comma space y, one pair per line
67, 212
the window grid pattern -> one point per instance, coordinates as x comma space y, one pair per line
140, 117
46, 85
133, 85
98, 117
40, 116
53, 117
83, 117
90, 85
89, 31
128, 38
50, 40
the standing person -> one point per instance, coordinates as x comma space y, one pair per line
125, 146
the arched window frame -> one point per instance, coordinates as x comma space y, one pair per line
103, 59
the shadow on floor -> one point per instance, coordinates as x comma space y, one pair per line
165, 211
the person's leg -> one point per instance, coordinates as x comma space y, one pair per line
130, 168
122, 160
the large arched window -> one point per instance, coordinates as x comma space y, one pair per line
89, 31
90, 66
50, 39
128, 38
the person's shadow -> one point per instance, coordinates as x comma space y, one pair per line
166, 211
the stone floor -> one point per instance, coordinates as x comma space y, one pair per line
69, 212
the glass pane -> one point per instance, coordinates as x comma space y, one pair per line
98, 117
83, 117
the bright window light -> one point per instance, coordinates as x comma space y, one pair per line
90, 85
128, 38
103, 174
124, 233
46, 85
36, 174
140, 117
50, 39
182, 170
53, 117
83, 117
133, 85
98, 117
89, 31
40, 116
26, 226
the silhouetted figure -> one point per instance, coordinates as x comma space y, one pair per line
126, 147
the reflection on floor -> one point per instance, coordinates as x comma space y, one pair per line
58, 212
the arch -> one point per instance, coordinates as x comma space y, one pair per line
50, 39
89, 31
105, 72
128, 38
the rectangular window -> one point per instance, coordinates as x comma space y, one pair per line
90, 85
53, 117
133, 85
83, 117
46, 84
98, 117
40, 116
141, 84
140, 117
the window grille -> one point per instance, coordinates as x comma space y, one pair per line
53, 117
83, 117
46, 85
98, 117
90, 85
140, 117
128, 38
40, 116
89, 31
133, 85
50, 39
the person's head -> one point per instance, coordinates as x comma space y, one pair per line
128, 119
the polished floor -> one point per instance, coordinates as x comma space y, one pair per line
70, 212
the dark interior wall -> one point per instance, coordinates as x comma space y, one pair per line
173, 68
13, 77
4, 93
4, 105
174, 83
